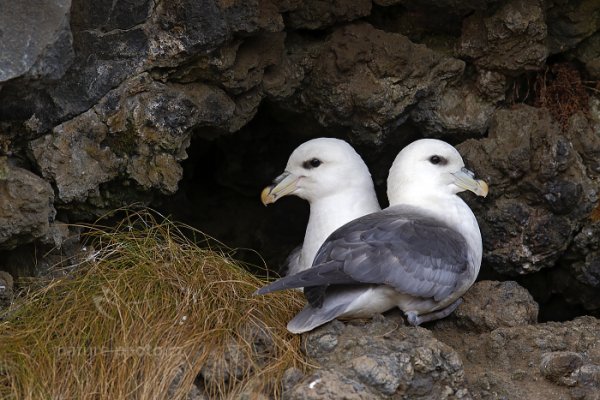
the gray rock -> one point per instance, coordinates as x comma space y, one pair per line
115, 41
584, 132
231, 364
138, 133
587, 378
589, 54
512, 40
491, 85
570, 22
290, 378
246, 70
7, 292
378, 360
189, 27
578, 277
318, 14
364, 79
73, 159
327, 384
174, 390
539, 191
458, 112
26, 207
452, 6
541, 361
489, 305
35, 39
557, 366
102, 60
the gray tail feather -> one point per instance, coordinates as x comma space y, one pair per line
310, 317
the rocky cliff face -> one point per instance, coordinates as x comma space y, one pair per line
193, 106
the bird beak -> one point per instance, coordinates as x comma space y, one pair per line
465, 179
283, 185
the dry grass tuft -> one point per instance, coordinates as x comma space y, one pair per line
560, 89
142, 317
595, 215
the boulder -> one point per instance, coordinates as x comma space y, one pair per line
379, 360
26, 205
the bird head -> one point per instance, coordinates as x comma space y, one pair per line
319, 168
430, 166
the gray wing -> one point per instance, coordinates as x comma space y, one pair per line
401, 247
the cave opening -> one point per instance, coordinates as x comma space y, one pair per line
219, 193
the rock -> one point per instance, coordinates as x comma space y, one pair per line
489, 305
328, 384
539, 191
114, 42
557, 366
36, 50
290, 378
453, 6
491, 85
7, 292
73, 159
195, 393
378, 360
108, 48
570, 22
181, 29
512, 40
59, 234
578, 278
230, 364
319, 14
458, 112
541, 361
137, 134
25, 206
589, 54
364, 80
587, 378
583, 132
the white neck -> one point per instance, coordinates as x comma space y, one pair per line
329, 213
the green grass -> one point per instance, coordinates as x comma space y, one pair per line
142, 316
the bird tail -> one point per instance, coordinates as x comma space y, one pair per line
311, 317
339, 302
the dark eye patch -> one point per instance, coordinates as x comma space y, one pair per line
438, 160
312, 163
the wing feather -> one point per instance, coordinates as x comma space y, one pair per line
400, 246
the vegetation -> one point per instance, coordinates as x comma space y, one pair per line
145, 313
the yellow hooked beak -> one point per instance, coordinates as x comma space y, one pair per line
465, 179
283, 185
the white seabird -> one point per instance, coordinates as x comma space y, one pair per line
336, 182
421, 254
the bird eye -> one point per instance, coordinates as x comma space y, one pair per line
312, 163
436, 160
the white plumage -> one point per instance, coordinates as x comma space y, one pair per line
420, 254
334, 179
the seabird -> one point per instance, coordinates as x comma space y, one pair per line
336, 182
421, 254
